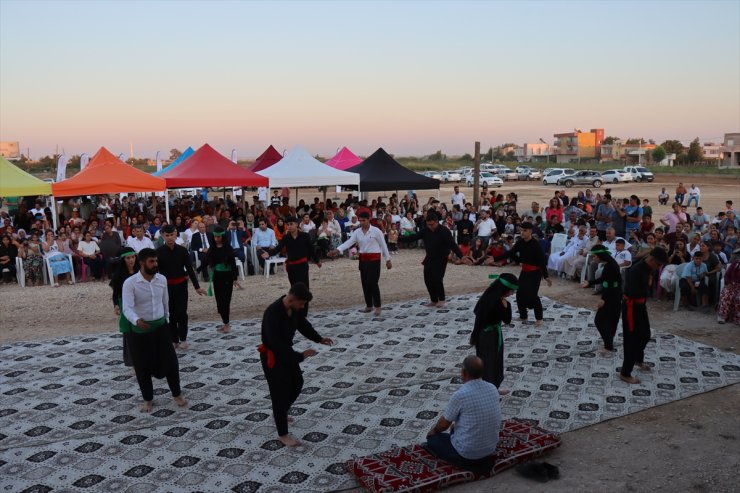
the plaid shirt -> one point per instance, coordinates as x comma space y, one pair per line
476, 412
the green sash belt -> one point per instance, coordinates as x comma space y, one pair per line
216, 268
606, 284
125, 326
497, 328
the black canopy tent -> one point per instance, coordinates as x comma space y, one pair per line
381, 173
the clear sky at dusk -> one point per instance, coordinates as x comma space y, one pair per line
412, 77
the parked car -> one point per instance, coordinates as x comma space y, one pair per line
616, 176
640, 173
554, 174
584, 177
451, 176
506, 173
433, 174
527, 173
486, 180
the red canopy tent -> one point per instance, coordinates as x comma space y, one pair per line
266, 159
207, 168
344, 159
105, 173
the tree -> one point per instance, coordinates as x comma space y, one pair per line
510, 156
437, 156
610, 140
488, 156
637, 141
174, 154
466, 157
672, 147
658, 154
695, 153
74, 161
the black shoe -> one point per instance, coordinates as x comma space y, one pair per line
533, 470
552, 471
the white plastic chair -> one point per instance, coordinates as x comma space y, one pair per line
20, 273
269, 262
676, 286
50, 273
558, 243
584, 270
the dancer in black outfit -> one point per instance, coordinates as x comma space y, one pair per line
128, 265
280, 362
175, 264
529, 254
438, 243
491, 312
635, 321
222, 264
610, 280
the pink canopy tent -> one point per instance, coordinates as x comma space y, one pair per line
344, 159
266, 159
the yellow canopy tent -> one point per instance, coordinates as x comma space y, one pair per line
14, 182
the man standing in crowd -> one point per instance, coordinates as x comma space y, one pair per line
475, 411
485, 227
528, 252
176, 266
280, 362
635, 321
604, 216
438, 243
458, 198
633, 215
145, 306
371, 244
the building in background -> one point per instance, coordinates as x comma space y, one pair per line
711, 151
577, 145
730, 151
533, 152
626, 153
10, 150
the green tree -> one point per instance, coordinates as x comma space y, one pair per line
610, 140
174, 154
510, 156
636, 141
466, 157
695, 153
672, 147
488, 156
658, 154
437, 156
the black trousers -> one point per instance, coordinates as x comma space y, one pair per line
527, 296
152, 355
370, 276
285, 383
701, 290
299, 273
178, 294
492, 353
607, 319
636, 339
223, 287
434, 275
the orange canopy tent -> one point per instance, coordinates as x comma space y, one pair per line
104, 174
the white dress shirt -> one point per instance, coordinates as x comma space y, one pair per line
146, 300
139, 244
486, 227
612, 245
622, 257
371, 242
264, 239
458, 199
306, 227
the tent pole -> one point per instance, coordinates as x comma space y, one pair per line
166, 206
54, 217
296, 197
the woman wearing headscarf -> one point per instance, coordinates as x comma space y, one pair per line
491, 312
127, 267
220, 258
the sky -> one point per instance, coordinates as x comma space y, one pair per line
412, 77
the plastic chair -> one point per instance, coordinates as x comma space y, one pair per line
50, 273
676, 287
558, 243
269, 262
584, 270
20, 273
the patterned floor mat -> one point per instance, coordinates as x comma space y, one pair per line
69, 415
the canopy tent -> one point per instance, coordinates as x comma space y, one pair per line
207, 168
380, 173
299, 169
14, 182
107, 174
188, 152
344, 159
266, 159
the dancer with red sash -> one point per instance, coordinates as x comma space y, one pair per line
528, 252
610, 280
176, 266
371, 243
635, 321
280, 362
299, 248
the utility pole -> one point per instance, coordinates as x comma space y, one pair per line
476, 176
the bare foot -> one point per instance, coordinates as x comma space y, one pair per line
631, 380
146, 407
225, 329
539, 323
605, 352
180, 401
367, 309
290, 419
289, 441
378, 311
522, 319
430, 305
504, 391
643, 366
441, 304
184, 345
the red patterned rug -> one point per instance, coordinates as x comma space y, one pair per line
413, 469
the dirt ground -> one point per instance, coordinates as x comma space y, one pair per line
688, 445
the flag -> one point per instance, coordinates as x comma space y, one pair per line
159, 162
233, 156
121, 157
62, 167
84, 159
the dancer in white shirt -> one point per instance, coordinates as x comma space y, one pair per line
146, 308
371, 243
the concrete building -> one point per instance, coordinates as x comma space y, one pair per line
576, 145
711, 151
627, 153
730, 151
10, 150
533, 152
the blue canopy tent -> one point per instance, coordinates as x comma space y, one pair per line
188, 152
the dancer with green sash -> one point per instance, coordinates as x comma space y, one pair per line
127, 267
145, 305
491, 312
609, 277
220, 259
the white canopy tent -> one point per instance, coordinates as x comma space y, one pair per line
299, 169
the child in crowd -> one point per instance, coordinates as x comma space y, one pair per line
393, 241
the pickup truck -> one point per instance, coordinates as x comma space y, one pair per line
640, 173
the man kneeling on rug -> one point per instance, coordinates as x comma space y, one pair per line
476, 414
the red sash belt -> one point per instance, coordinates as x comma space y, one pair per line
298, 261
630, 310
176, 280
270, 355
530, 268
369, 257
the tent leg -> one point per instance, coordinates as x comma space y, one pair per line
166, 206
296, 196
54, 215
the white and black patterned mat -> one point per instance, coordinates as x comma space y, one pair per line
69, 418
